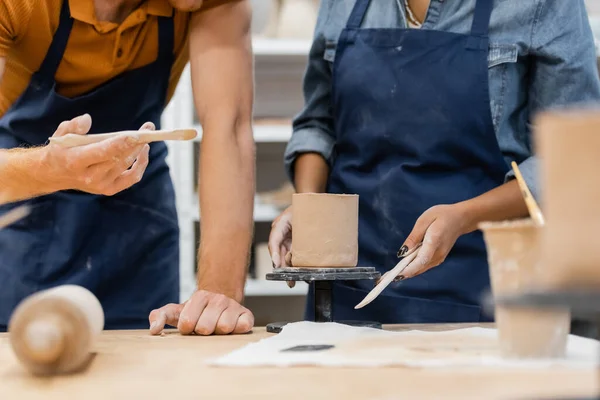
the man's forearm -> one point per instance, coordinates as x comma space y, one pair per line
310, 173
502, 203
226, 202
222, 65
21, 175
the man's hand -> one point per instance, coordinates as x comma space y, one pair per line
204, 313
438, 228
106, 168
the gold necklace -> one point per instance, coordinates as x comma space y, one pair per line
411, 17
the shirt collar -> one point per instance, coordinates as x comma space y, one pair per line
83, 10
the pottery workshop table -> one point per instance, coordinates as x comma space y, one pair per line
135, 365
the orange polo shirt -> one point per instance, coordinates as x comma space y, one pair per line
96, 51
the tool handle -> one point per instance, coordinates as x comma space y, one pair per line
387, 278
144, 136
532, 207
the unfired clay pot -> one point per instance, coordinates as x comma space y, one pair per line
515, 267
325, 230
568, 145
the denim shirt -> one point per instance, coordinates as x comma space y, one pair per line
541, 56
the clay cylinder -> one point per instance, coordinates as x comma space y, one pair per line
53, 331
567, 143
325, 230
515, 267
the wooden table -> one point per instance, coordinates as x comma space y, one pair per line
135, 365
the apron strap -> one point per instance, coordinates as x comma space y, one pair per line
358, 14
481, 18
57, 48
166, 39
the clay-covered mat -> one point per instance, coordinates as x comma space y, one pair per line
336, 345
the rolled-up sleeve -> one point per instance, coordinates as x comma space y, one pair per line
313, 126
564, 69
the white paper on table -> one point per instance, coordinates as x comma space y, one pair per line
379, 348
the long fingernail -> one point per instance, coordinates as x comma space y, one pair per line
403, 250
153, 325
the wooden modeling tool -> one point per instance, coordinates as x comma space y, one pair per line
144, 136
534, 210
388, 277
14, 215
52, 332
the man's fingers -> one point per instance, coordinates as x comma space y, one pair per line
167, 315
227, 321
210, 315
79, 125
191, 313
244, 323
122, 164
133, 175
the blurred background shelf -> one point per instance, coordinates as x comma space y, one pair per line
264, 132
258, 287
280, 47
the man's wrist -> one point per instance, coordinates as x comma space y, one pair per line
25, 174
232, 288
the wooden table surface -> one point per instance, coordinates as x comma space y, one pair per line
135, 365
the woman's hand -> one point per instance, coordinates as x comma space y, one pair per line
280, 239
437, 229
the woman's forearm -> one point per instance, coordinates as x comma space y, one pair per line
311, 173
502, 203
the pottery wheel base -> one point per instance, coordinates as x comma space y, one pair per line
321, 280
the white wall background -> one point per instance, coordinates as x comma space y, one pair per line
593, 6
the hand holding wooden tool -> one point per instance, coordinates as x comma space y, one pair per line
534, 210
144, 136
388, 277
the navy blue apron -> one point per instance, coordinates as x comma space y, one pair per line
413, 130
124, 248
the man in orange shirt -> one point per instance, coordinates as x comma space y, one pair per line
103, 215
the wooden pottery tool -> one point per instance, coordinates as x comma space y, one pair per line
325, 230
532, 205
388, 277
14, 215
144, 136
52, 331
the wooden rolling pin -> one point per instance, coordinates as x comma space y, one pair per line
145, 136
52, 331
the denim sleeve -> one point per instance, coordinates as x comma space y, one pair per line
564, 69
313, 126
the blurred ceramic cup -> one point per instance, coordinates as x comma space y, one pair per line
515, 266
567, 143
